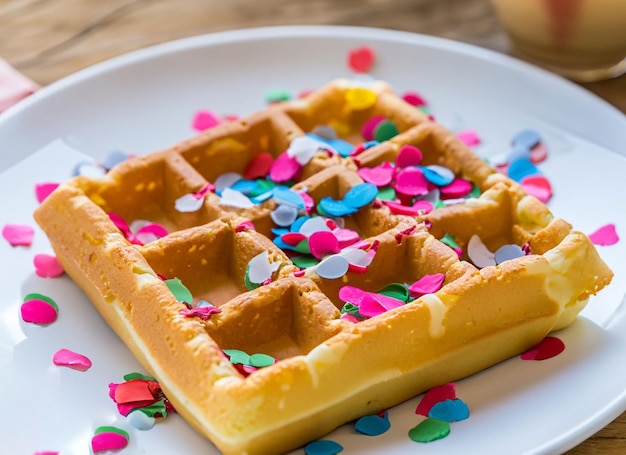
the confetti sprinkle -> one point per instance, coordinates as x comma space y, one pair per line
428, 284
605, 235
546, 349
18, 234
479, 254
414, 99
71, 359
323, 447
47, 266
373, 425
469, 138
429, 430
39, 309
180, 291
332, 267
537, 186
204, 120
260, 269
361, 98
140, 420
141, 392
361, 59
108, 438
43, 190
450, 410
434, 396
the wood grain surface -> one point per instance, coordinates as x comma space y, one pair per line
49, 39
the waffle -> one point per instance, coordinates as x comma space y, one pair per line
332, 365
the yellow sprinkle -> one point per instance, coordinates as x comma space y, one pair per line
359, 98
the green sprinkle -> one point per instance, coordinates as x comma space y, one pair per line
45, 298
304, 262
261, 360
250, 286
237, 356
397, 291
385, 130
131, 376
181, 293
154, 409
386, 193
276, 95
111, 429
429, 430
450, 241
475, 191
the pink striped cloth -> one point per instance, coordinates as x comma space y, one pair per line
14, 86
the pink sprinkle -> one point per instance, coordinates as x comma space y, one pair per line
458, 188
47, 452
361, 59
38, 311
18, 234
204, 119
604, 236
414, 99
400, 209
410, 181
203, 312
43, 190
367, 131
284, 168
537, 186
323, 243
47, 266
469, 137
538, 153
70, 359
427, 285
245, 226
107, 441
374, 304
434, 396
346, 237
548, 347
380, 175
409, 155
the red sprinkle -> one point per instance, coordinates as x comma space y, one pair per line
361, 59
546, 349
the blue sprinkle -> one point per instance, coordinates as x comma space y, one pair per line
262, 197
360, 195
519, 152
522, 168
323, 447
279, 231
333, 207
245, 186
526, 138
449, 410
288, 196
282, 245
507, 252
373, 425
435, 177
340, 146
369, 144
295, 227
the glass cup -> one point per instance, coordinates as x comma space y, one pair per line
584, 40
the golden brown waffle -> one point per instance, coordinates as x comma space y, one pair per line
330, 369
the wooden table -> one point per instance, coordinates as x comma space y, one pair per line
49, 39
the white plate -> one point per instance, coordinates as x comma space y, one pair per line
145, 100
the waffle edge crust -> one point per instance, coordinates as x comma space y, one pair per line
329, 370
